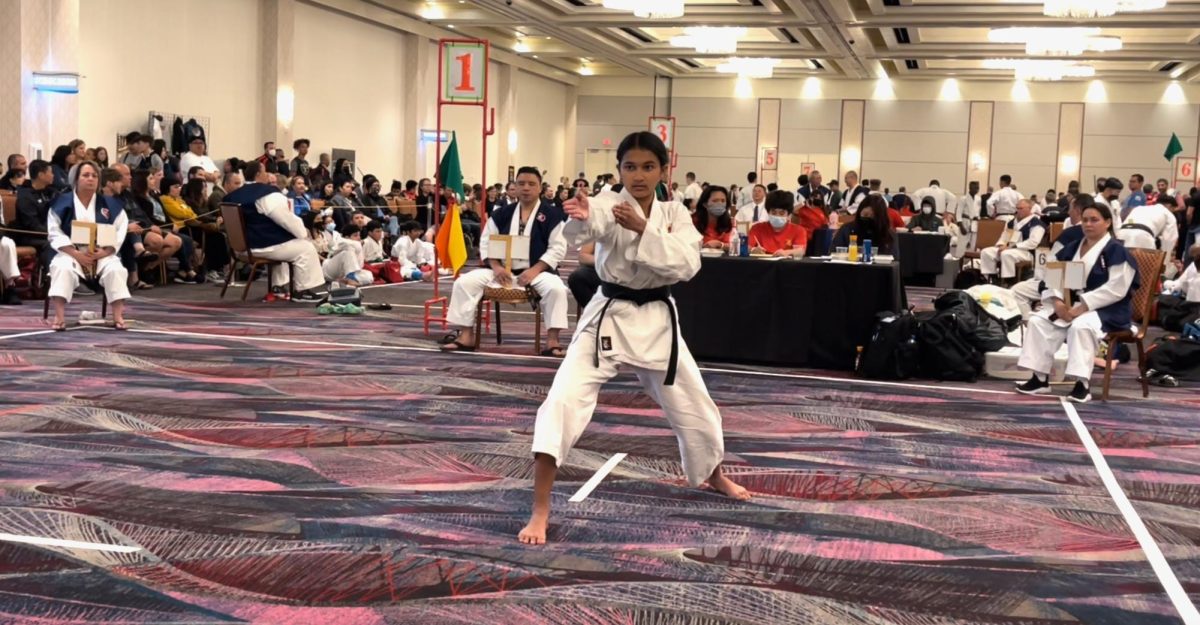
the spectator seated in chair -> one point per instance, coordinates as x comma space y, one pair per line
33, 208
778, 236
345, 262
274, 232
871, 223
9, 272
1028, 292
712, 218
1021, 237
145, 187
298, 194
1104, 305
86, 204
543, 223
585, 281
1188, 283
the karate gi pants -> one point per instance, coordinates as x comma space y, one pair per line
1027, 295
345, 266
1043, 338
1006, 259
299, 253
8, 259
65, 274
691, 412
468, 290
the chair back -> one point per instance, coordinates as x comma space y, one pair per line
989, 233
317, 205
8, 202
845, 219
1150, 268
1056, 230
408, 208
235, 229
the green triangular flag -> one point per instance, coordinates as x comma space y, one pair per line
1173, 148
450, 173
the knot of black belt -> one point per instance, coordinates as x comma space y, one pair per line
641, 297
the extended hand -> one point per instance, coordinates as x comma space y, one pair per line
504, 277
629, 217
577, 208
1063, 312
782, 253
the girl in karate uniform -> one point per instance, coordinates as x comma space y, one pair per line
84, 202
643, 246
1103, 306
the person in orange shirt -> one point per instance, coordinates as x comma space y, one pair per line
712, 218
778, 236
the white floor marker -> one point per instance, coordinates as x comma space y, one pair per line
69, 544
591, 484
1154, 555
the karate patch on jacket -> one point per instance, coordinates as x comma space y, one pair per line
606, 343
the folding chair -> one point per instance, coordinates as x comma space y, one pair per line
239, 252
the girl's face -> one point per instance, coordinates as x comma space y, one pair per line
101, 154
156, 179
80, 152
347, 189
718, 199
640, 173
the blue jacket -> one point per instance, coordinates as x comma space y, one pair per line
1118, 315
548, 217
107, 210
261, 231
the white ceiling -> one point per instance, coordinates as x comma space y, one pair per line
831, 38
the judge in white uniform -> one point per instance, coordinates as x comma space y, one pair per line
1151, 227
1020, 238
643, 246
1104, 305
84, 202
540, 220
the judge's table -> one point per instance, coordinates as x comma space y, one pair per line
800, 313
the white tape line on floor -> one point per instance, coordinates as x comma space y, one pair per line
595, 480
1154, 555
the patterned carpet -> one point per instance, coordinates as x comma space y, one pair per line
268, 475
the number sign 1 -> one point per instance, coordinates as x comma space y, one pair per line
464, 72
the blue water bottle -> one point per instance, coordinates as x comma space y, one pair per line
744, 251
866, 255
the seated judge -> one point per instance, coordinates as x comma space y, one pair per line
1020, 238
755, 211
778, 236
542, 222
83, 202
712, 218
274, 232
1104, 305
927, 220
1029, 291
871, 223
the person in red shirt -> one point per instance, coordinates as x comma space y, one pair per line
778, 236
813, 216
896, 219
712, 218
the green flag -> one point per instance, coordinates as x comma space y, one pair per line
1173, 148
450, 172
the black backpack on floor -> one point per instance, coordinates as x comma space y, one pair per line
893, 353
947, 352
1177, 356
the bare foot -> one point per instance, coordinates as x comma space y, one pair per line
535, 532
726, 487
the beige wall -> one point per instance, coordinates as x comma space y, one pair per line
912, 138
133, 64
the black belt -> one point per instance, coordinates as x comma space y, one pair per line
1147, 230
641, 297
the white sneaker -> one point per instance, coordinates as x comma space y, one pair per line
215, 277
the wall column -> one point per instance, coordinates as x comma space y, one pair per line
1070, 145
277, 46
504, 100
768, 137
979, 143
38, 36
570, 168
419, 107
850, 155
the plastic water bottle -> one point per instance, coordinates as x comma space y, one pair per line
867, 256
744, 247
735, 244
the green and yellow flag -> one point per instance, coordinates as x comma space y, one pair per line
451, 247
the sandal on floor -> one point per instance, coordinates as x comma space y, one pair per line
59, 327
554, 352
120, 325
449, 338
458, 347
381, 306
143, 286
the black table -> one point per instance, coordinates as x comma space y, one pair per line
786, 312
921, 256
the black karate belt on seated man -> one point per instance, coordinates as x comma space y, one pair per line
641, 297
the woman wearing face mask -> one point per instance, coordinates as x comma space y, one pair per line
926, 220
714, 223
778, 236
1103, 305
871, 223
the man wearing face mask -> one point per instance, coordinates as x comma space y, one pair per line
779, 236
926, 220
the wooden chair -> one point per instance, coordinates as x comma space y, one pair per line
514, 295
317, 205
1056, 230
406, 208
239, 252
1048, 238
1150, 267
987, 236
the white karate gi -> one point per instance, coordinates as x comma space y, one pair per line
299, 252
639, 336
1004, 202
65, 272
1159, 220
1008, 258
372, 249
8, 259
468, 288
1043, 337
412, 254
943, 200
1188, 284
345, 262
1026, 291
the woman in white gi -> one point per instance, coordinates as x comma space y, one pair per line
84, 202
1103, 306
643, 246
